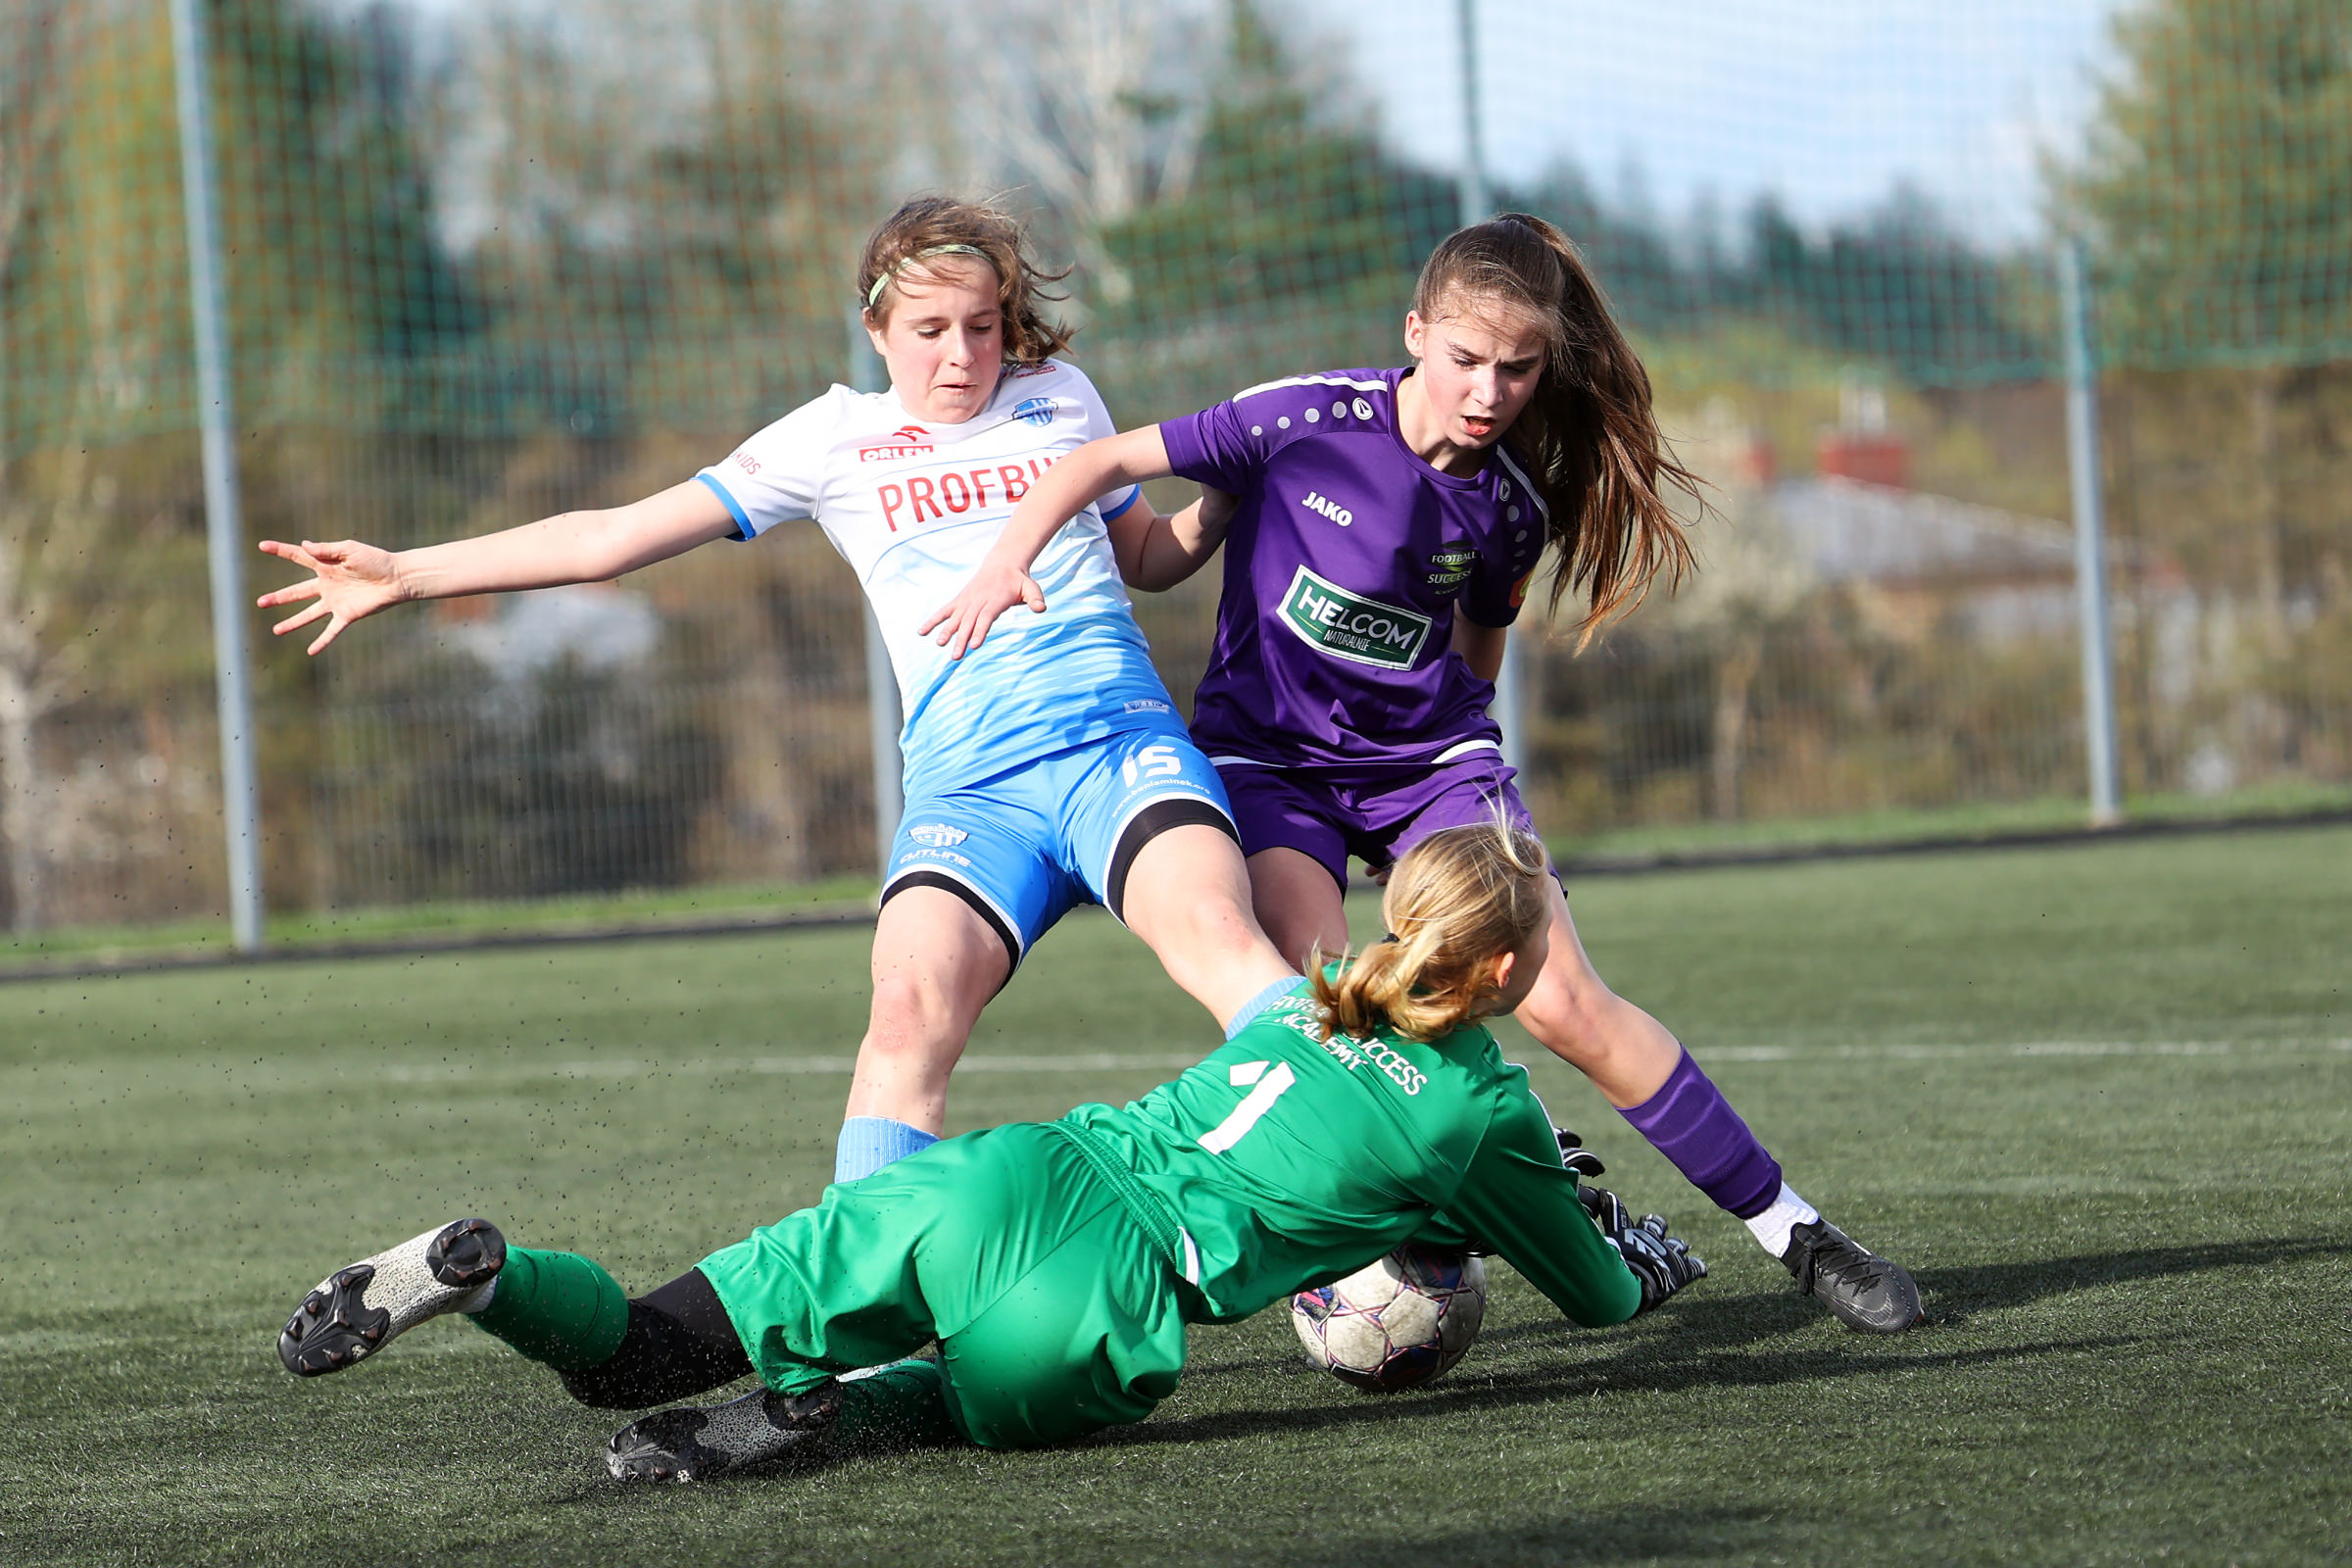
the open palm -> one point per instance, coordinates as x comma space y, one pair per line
350, 581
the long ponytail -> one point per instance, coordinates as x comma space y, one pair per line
1457, 901
1589, 435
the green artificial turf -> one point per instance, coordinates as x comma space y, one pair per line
2099, 1098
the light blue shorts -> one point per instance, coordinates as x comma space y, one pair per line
1026, 846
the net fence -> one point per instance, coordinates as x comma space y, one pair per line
491, 261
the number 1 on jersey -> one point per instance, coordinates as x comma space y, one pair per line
1255, 1104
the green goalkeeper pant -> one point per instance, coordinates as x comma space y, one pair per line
1055, 1312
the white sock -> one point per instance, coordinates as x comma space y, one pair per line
1787, 1211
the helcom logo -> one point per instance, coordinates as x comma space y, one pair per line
1317, 502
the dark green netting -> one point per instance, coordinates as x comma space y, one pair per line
492, 262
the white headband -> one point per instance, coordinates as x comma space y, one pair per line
873, 296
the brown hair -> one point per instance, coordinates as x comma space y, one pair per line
921, 229
1460, 899
1588, 436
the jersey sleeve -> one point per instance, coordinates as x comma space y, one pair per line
775, 475
1097, 423
1496, 591
1217, 447
1518, 1200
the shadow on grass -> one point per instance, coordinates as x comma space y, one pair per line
1954, 1293
1636, 1367
1609, 1536
1721, 1342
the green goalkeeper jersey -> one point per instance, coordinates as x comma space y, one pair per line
1284, 1161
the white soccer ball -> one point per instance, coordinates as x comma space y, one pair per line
1396, 1323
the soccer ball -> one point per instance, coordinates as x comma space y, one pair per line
1400, 1321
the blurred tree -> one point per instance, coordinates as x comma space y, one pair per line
1099, 112
102, 609
2217, 185
2217, 190
1289, 200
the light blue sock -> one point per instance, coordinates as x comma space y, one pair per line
869, 1143
1259, 1004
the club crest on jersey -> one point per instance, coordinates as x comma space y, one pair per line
1039, 412
1364, 631
937, 834
1448, 570
907, 441
1317, 502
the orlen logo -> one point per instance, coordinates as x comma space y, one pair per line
937, 834
1317, 501
907, 441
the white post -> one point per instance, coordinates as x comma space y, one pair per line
2090, 533
1510, 682
225, 526
881, 684
1473, 180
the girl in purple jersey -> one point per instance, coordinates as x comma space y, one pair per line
1384, 529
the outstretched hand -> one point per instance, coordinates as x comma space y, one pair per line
350, 582
962, 622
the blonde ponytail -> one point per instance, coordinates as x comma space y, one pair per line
1460, 899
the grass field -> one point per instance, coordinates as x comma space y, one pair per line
2099, 1098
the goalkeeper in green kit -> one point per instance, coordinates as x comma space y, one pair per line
1058, 1263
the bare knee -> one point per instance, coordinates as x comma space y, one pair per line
914, 1016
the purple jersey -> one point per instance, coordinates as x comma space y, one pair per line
1347, 560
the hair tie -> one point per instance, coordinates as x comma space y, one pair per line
873, 296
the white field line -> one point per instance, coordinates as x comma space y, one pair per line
1175, 1061
721, 1067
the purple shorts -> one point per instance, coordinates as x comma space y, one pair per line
1374, 814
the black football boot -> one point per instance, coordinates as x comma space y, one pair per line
1862, 1289
692, 1444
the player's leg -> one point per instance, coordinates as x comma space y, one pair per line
1660, 1090
822, 1303
1056, 1310
936, 964
1146, 828
559, 1309
1188, 897
1643, 1070
973, 884
1297, 861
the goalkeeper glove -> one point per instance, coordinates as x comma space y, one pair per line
1662, 1263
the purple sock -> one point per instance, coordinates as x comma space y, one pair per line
1690, 1123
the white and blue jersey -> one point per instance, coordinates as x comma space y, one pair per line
914, 506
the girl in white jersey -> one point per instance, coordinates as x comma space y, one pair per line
1051, 773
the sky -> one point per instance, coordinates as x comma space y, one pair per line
1826, 102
